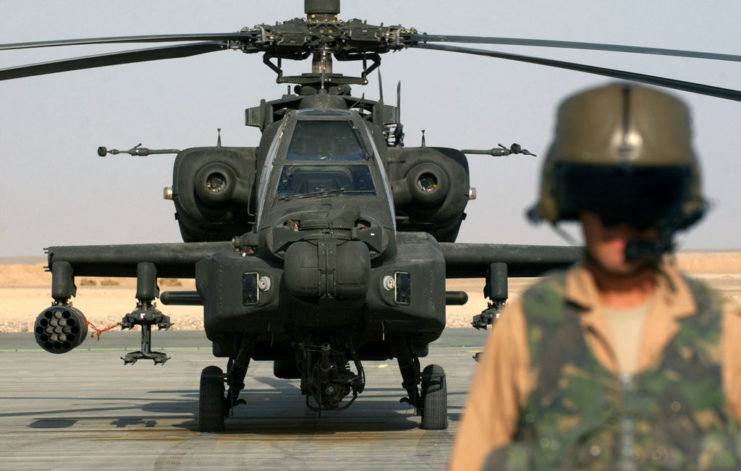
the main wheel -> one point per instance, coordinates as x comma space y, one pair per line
434, 398
211, 401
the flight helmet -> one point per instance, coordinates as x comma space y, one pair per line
624, 152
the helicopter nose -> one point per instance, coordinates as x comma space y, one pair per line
327, 268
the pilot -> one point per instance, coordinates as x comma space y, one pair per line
620, 362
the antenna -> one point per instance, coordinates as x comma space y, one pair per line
218, 138
380, 85
398, 99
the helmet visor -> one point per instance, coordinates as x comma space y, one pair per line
642, 197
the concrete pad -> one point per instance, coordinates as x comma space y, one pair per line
86, 410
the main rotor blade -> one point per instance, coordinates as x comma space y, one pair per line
152, 38
574, 45
115, 58
693, 87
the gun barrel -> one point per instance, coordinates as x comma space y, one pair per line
456, 298
181, 298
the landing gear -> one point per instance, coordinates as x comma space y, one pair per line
327, 380
434, 398
326, 377
211, 400
431, 402
213, 404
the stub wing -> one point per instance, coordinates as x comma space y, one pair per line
496, 263
474, 260
173, 260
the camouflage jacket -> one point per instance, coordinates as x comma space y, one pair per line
579, 415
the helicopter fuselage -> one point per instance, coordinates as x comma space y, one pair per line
328, 259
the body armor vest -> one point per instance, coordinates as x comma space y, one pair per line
579, 415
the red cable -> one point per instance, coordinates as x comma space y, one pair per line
100, 331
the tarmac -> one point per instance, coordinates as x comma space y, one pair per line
86, 410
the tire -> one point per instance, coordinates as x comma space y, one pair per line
434, 398
211, 400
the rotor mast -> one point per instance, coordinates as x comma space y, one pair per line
322, 11
321, 62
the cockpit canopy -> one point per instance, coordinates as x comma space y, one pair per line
303, 180
321, 164
326, 140
325, 156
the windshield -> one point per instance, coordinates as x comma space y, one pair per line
318, 180
325, 140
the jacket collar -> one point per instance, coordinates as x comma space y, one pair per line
673, 297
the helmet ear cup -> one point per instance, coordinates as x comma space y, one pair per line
692, 211
547, 207
695, 207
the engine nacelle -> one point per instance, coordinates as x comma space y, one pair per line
213, 192
430, 187
60, 328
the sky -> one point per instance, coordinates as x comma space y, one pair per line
56, 191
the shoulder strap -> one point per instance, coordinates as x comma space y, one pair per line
703, 295
553, 330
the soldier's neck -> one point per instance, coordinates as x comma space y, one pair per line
620, 291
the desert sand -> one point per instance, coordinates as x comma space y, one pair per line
24, 292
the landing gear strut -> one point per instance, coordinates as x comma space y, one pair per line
431, 401
213, 404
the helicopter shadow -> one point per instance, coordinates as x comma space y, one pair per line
279, 408
272, 406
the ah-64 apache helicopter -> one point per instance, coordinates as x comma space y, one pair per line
325, 245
